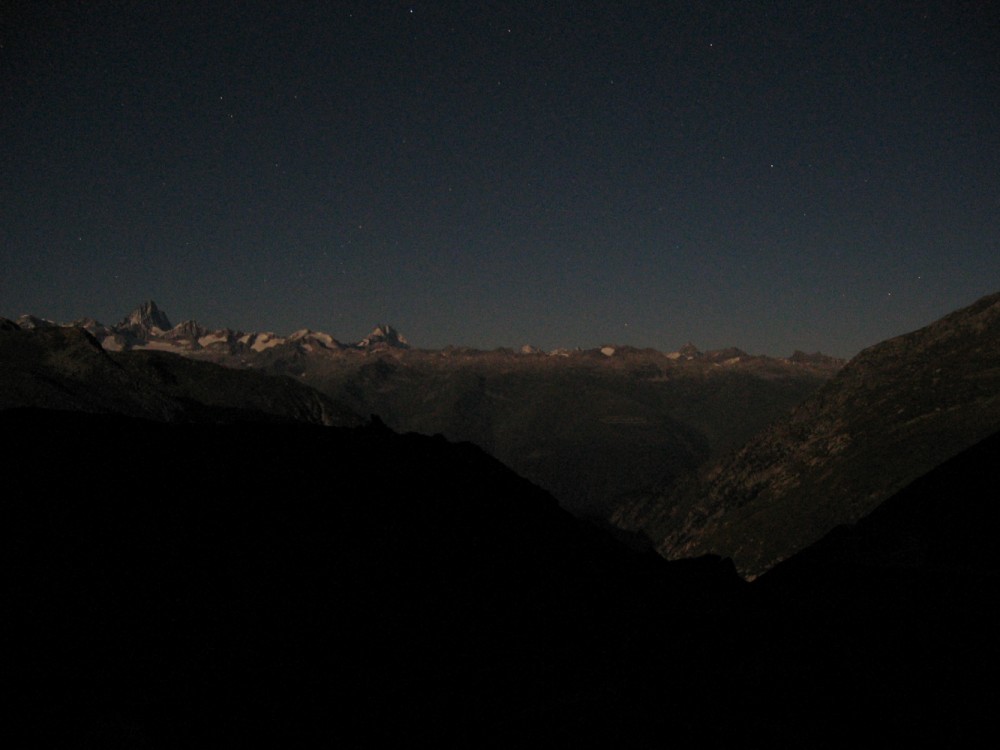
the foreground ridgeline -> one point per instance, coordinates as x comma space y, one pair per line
219, 585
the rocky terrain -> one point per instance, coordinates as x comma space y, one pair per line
892, 413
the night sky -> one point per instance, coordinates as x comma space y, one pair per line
769, 175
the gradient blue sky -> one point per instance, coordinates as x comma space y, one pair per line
774, 176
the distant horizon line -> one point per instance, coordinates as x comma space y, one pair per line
383, 325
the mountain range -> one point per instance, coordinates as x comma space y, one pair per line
147, 328
180, 584
591, 426
65, 368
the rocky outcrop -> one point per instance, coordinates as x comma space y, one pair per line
147, 318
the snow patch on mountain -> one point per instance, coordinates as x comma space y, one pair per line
219, 337
259, 342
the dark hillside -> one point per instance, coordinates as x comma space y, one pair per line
905, 601
173, 583
178, 585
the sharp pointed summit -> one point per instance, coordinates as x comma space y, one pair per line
147, 317
384, 336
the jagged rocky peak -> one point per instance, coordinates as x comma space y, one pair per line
384, 335
147, 317
188, 329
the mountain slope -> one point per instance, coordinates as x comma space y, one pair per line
944, 523
905, 601
56, 367
290, 583
588, 429
296, 585
891, 414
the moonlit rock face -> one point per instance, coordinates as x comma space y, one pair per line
310, 340
607, 351
186, 330
325, 338
147, 316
